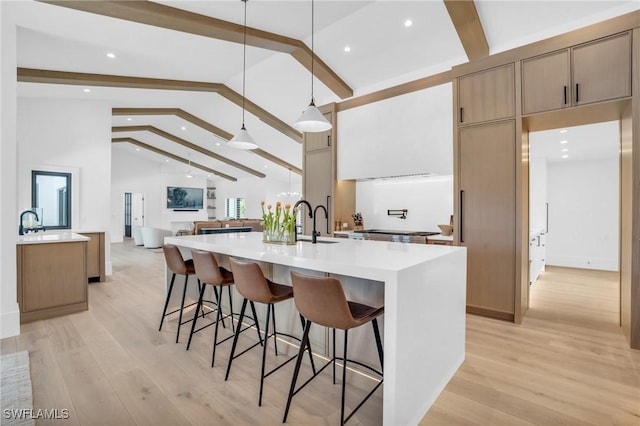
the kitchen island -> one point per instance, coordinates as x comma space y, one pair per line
422, 287
51, 274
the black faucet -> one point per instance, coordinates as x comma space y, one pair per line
315, 234
310, 214
22, 229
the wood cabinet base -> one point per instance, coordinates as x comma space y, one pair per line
475, 310
53, 312
52, 279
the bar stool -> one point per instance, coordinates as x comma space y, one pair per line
177, 265
254, 287
210, 273
321, 300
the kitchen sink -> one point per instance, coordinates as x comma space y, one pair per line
320, 242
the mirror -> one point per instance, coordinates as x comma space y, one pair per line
51, 192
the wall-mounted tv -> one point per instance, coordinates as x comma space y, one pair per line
181, 198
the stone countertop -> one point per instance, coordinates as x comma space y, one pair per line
359, 258
53, 236
440, 237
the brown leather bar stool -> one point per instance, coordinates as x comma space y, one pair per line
321, 300
177, 265
210, 273
254, 287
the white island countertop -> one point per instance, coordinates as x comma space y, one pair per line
424, 301
44, 237
366, 259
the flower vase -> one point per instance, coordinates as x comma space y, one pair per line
279, 236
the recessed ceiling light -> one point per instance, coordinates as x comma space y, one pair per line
565, 149
166, 160
347, 49
265, 166
111, 55
565, 156
563, 131
86, 90
129, 118
209, 175
183, 128
564, 141
408, 23
217, 143
137, 149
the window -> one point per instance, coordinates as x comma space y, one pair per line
235, 208
51, 192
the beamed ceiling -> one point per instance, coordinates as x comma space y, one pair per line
175, 85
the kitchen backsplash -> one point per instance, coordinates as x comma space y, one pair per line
428, 200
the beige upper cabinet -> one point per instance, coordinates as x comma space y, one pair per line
602, 69
546, 82
587, 73
487, 95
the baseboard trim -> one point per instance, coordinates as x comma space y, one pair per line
475, 310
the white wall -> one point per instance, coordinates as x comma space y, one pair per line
583, 214
9, 311
255, 191
429, 201
537, 194
403, 135
72, 136
132, 173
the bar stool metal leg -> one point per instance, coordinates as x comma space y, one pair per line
195, 317
184, 293
264, 351
166, 302
344, 376
296, 370
235, 337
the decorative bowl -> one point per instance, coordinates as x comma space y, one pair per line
446, 229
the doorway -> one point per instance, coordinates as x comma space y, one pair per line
574, 220
133, 211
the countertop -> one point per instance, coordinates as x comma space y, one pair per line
359, 258
440, 237
51, 237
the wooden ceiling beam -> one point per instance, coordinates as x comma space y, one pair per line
159, 15
30, 75
187, 144
174, 157
465, 19
206, 126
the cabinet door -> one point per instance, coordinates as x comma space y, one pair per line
486, 95
545, 82
318, 140
318, 184
487, 217
602, 70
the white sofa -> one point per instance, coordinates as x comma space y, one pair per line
154, 237
136, 233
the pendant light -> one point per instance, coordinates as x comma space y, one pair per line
243, 140
312, 119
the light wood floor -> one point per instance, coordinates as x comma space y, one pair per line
567, 364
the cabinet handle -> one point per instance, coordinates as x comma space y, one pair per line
565, 95
547, 220
461, 115
577, 93
329, 215
461, 216
328, 140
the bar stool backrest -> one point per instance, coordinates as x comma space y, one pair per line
250, 281
321, 300
174, 259
206, 266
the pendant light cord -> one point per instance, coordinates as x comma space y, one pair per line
244, 59
312, 27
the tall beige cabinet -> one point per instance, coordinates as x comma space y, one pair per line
319, 183
486, 188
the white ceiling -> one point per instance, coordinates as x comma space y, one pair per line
383, 53
580, 143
